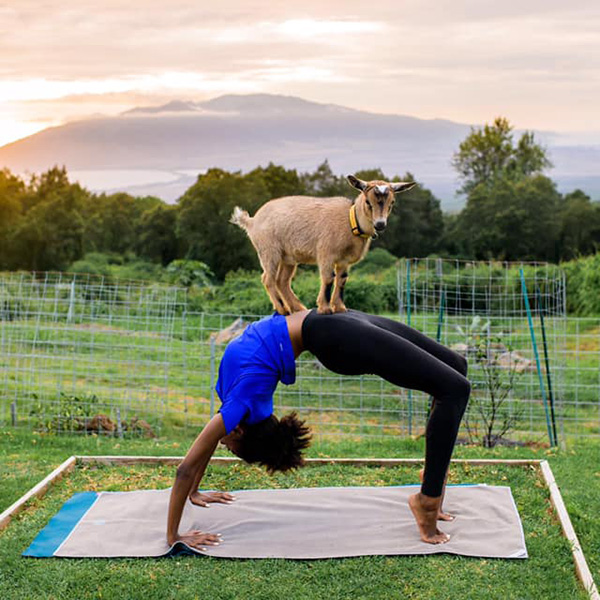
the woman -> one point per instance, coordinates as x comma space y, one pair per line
349, 343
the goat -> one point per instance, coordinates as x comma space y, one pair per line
331, 232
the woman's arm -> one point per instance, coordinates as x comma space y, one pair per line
195, 462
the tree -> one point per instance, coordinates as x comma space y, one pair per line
203, 221
50, 235
511, 220
279, 181
323, 182
416, 223
111, 222
156, 234
489, 154
12, 192
579, 226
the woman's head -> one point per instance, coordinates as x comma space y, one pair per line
273, 443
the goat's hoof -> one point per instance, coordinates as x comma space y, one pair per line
340, 308
326, 310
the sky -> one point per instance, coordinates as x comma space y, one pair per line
535, 62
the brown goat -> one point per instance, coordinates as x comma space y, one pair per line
331, 232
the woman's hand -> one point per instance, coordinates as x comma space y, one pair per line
198, 539
200, 499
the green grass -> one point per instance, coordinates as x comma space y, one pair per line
549, 573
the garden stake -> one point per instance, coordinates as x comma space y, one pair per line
408, 323
537, 356
547, 361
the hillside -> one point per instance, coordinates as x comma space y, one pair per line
172, 143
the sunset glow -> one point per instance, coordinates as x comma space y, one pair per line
528, 61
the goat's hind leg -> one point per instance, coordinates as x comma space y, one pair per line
269, 280
285, 275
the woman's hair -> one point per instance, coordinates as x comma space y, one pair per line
273, 443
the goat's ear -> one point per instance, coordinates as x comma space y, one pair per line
359, 184
403, 186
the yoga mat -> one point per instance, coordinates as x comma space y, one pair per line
305, 523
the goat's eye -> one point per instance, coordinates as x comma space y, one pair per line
369, 204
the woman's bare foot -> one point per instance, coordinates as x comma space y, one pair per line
442, 516
425, 511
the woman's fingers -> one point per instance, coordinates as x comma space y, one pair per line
200, 540
219, 497
198, 500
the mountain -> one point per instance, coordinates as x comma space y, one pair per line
160, 150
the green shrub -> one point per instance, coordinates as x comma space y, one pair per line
10, 308
583, 285
67, 413
93, 263
375, 262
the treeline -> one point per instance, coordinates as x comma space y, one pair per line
512, 212
50, 223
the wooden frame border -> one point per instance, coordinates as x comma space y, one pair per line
37, 490
582, 570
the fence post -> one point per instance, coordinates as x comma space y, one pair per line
13, 413
71, 311
212, 377
399, 291
119, 423
410, 398
553, 442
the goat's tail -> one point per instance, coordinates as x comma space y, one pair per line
241, 218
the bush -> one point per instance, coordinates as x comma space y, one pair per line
583, 285
376, 261
93, 263
243, 293
10, 309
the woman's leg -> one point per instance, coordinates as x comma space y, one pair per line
349, 343
445, 354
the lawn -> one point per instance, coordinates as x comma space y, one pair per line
549, 573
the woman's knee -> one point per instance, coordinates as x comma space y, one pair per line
462, 366
461, 390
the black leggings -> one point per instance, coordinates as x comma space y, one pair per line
355, 343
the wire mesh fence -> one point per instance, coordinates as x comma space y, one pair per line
85, 354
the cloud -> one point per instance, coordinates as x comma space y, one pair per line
460, 59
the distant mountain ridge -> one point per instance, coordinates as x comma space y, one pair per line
240, 132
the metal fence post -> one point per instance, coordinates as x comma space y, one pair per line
212, 377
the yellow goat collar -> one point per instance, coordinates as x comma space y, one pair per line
356, 230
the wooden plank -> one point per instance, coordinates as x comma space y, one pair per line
226, 460
36, 491
581, 566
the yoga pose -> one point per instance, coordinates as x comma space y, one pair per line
349, 343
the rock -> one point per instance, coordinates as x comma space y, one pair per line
99, 423
513, 360
229, 333
139, 426
460, 348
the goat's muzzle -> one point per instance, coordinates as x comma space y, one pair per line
380, 225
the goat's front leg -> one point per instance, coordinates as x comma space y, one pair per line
269, 280
285, 275
327, 276
337, 299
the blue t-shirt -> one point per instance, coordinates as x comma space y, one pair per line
251, 367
